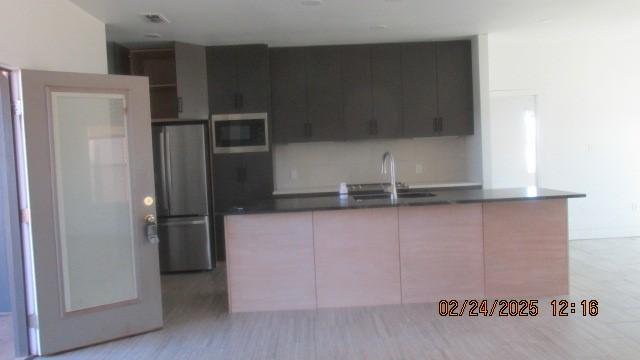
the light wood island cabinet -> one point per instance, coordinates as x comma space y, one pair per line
356, 252
270, 263
397, 254
441, 252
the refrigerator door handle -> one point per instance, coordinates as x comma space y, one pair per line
167, 169
163, 169
186, 222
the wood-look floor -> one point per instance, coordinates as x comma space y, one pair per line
199, 327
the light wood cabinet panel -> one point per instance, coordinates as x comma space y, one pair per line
270, 262
191, 70
441, 252
357, 257
526, 248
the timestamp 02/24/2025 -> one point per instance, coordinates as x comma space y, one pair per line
513, 308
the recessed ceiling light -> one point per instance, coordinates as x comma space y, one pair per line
379, 27
546, 21
152, 36
311, 2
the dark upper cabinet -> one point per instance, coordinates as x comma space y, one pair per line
386, 92
288, 94
252, 76
221, 74
238, 78
324, 94
455, 88
356, 87
372, 91
191, 71
420, 90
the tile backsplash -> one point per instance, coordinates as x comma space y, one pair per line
418, 161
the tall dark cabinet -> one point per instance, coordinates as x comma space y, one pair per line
239, 82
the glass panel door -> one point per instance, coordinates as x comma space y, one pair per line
93, 199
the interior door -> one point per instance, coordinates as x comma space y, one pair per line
87, 184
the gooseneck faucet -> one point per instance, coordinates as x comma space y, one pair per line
388, 158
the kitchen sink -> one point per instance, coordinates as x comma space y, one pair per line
378, 196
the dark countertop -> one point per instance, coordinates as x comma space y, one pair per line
441, 197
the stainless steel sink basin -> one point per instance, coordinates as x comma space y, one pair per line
378, 196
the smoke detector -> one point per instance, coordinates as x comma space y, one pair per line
155, 18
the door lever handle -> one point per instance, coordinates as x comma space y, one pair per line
151, 228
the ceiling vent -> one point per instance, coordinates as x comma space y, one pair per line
155, 18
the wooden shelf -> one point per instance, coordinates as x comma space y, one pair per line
160, 66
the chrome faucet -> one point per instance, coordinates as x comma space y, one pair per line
388, 158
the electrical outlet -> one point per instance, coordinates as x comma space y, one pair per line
294, 174
419, 169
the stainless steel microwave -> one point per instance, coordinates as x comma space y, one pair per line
240, 133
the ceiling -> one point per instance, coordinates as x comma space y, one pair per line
289, 22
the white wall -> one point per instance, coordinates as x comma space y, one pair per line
51, 35
587, 78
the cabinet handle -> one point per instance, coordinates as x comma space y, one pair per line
435, 124
373, 127
308, 130
238, 101
441, 126
241, 175
180, 104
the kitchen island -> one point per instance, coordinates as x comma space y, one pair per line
317, 252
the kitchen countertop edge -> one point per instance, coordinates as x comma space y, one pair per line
329, 203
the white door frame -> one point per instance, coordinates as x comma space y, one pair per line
11, 218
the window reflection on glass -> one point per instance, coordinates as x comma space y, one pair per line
93, 199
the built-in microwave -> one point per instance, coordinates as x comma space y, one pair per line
240, 133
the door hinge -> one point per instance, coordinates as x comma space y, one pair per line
25, 216
32, 321
17, 107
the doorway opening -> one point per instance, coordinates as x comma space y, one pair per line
514, 140
13, 319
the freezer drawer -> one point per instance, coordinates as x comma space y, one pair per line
185, 244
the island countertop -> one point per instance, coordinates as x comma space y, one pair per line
318, 203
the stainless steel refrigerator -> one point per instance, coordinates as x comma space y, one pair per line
181, 163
